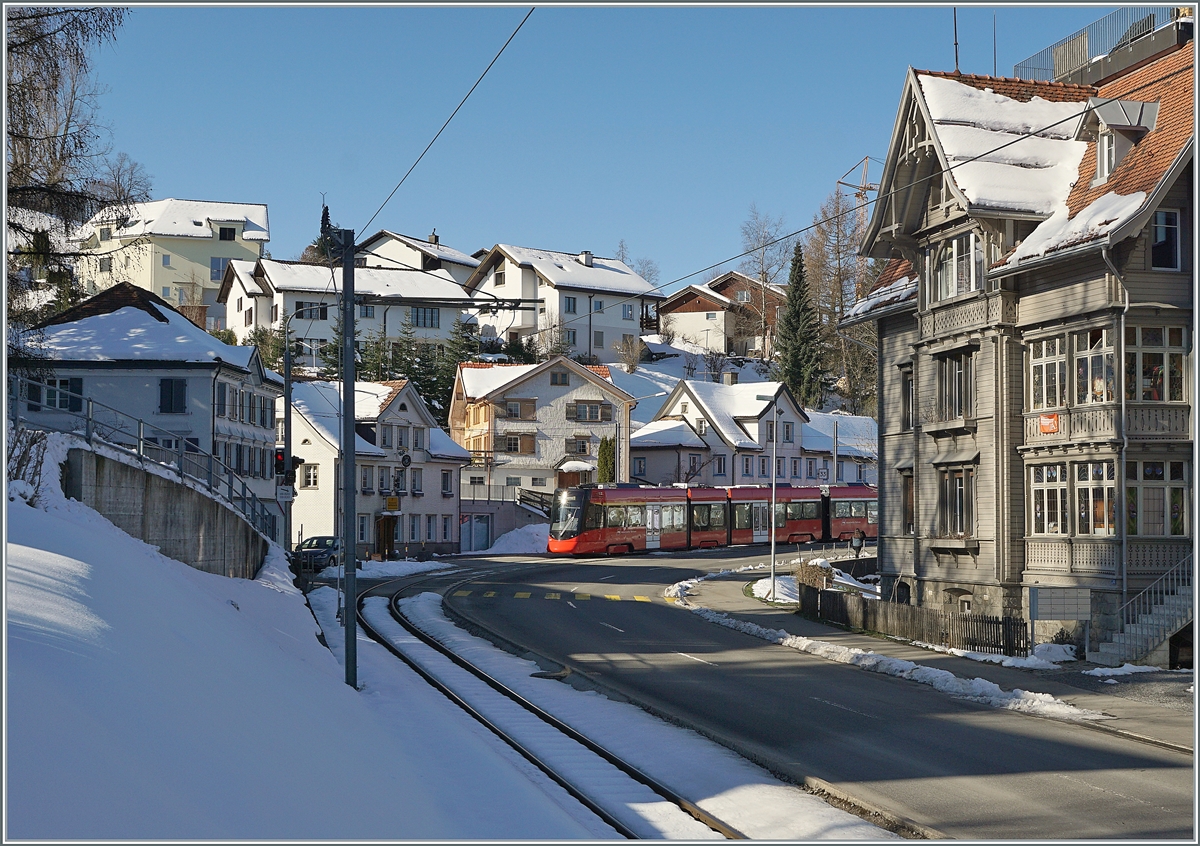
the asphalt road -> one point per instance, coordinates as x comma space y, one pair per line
964, 769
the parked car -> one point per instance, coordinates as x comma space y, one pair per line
318, 552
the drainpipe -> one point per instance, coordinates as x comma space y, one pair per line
590, 353
384, 335
1118, 365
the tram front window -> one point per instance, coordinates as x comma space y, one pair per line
564, 516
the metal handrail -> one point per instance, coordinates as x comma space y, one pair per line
131, 435
1156, 596
1099, 38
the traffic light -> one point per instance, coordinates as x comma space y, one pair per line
289, 475
279, 462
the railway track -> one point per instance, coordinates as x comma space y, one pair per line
633, 803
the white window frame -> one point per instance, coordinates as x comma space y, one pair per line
956, 266
1158, 488
1049, 500
1160, 225
1095, 484
1048, 373
1156, 362
1095, 376
627, 311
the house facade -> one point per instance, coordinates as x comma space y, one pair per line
178, 249
588, 305
1035, 339
266, 293
702, 316
733, 314
403, 252
406, 468
538, 426
734, 429
128, 349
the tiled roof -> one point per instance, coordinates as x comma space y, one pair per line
1022, 90
119, 296
897, 284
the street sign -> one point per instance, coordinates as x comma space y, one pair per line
285, 493
392, 503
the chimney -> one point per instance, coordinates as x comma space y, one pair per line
433, 238
729, 377
585, 258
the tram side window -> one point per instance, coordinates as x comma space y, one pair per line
716, 518
780, 515
741, 515
872, 512
841, 509
594, 517
616, 515
676, 513
803, 510
633, 516
858, 508
700, 517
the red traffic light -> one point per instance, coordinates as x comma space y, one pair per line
280, 466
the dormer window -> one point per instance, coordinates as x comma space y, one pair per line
228, 233
105, 233
956, 267
1106, 154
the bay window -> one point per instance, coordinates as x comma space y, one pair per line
1095, 492
1048, 499
1154, 363
1156, 498
1047, 373
957, 266
1094, 377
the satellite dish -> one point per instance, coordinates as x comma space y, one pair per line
405, 460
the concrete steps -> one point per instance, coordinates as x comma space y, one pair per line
1137, 640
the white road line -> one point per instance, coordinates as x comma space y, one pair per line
614, 628
844, 708
694, 658
606, 578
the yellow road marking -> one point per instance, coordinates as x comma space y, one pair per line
489, 593
462, 593
553, 596
612, 597
583, 596
524, 594
642, 598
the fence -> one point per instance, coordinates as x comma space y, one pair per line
1098, 39
61, 410
972, 632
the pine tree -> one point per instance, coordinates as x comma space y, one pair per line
375, 358
798, 343
606, 465
331, 353
462, 345
270, 346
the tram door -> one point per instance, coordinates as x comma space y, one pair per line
653, 525
761, 522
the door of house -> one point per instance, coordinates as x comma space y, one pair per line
568, 480
385, 536
761, 523
653, 525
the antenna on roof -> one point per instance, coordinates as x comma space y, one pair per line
956, 39
993, 43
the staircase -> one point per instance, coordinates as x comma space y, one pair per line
1150, 618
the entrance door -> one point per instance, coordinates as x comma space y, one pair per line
481, 531
653, 526
762, 525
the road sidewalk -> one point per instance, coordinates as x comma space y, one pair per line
1142, 720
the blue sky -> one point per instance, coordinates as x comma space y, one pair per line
657, 125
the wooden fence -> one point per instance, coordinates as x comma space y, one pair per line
972, 632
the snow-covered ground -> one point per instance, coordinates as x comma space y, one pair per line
527, 540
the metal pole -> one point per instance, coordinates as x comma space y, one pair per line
345, 241
774, 478
287, 431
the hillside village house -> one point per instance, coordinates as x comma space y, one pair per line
724, 435
1035, 337
733, 314
538, 426
596, 303
176, 248
131, 351
403, 252
265, 293
406, 490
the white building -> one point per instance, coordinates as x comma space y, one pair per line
403, 252
856, 454
406, 468
176, 248
596, 303
266, 292
130, 350
538, 426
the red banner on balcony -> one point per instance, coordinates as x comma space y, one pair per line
1048, 424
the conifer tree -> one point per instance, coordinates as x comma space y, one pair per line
798, 340
606, 465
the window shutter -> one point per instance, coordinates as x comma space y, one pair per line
569, 446
164, 396
606, 412
75, 387
33, 394
179, 395
527, 445
220, 399
528, 410
571, 411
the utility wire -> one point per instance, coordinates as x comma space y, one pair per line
447, 123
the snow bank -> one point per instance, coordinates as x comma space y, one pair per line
385, 569
1123, 670
527, 540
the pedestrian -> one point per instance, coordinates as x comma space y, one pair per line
858, 541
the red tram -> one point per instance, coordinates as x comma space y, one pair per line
626, 518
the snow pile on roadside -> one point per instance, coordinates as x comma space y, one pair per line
1040, 660
527, 540
977, 690
385, 569
679, 590
1124, 670
786, 590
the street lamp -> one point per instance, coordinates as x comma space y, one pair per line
774, 477
617, 444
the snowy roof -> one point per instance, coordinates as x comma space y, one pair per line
974, 126
666, 433
126, 323
724, 405
442, 446
480, 379
320, 403
1097, 212
895, 287
439, 251
243, 272
566, 271
181, 219
857, 436
371, 281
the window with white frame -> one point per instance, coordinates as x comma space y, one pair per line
747, 465
538, 481
710, 315
365, 310
795, 468
955, 382
639, 467
1154, 363
627, 311
701, 426
447, 482
308, 475
763, 466
811, 468
957, 266
414, 527
1048, 499
956, 501
718, 465
364, 528
1106, 154
513, 409
445, 527
1095, 380
385, 436
569, 305
1048, 373
743, 296
1095, 494
512, 443
512, 481
1156, 498
430, 527
417, 479
498, 278
788, 433
368, 476
1164, 241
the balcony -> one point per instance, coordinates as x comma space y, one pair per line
1143, 422
968, 312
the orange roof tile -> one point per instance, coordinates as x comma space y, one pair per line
1022, 90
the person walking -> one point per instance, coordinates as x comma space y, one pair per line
858, 541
